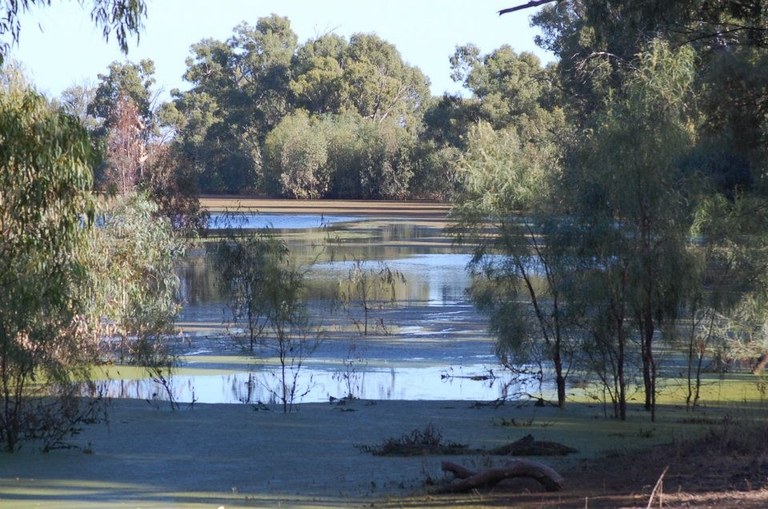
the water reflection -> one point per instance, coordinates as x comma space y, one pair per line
437, 279
429, 338
471, 383
250, 220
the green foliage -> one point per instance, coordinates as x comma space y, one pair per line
317, 81
296, 156
510, 171
264, 114
119, 17
344, 156
240, 92
125, 80
45, 209
122, 115
510, 87
132, 286
132, 292
632, 202
501, 174
505, 211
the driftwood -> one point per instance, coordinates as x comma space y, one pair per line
470, 480
527, 446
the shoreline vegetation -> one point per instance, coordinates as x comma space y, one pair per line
253, 455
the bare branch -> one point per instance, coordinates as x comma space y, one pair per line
529, 5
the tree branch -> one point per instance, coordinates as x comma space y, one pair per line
529, 5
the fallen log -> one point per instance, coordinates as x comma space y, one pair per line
470, 480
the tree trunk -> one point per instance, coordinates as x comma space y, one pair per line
559, 378
760, 364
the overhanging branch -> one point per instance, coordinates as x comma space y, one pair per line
529, 5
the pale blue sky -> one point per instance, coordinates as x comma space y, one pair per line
59, 45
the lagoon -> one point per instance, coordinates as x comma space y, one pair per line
430, 343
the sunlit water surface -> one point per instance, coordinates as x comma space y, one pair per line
430, 344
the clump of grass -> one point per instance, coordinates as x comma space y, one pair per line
700, 420
738, 436
416, 443
640, 433
523, 423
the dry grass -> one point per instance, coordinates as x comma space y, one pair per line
713, 471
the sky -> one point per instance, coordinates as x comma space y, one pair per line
59, 46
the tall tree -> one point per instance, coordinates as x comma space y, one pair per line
379, 85
125, 81
75, 101
509, 87
631, 194
136, 157
240, 91
126, 147
318, 74
245, 87
45, 176
510, 190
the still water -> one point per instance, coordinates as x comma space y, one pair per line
427, 343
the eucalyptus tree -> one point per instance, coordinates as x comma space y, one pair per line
266, 295
243, 89
125, 80
508, 91
669, 142
318, 75
444, 135
132, 286
45, 209
122, 108
509, 181
240, 91
594, 39
726, 312
508, 206
365, 74
634, 210
137, 157
627, 26
509, 88
379, 84
372, 100
75, 101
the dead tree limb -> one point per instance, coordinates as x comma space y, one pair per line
470, 480
529, 5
